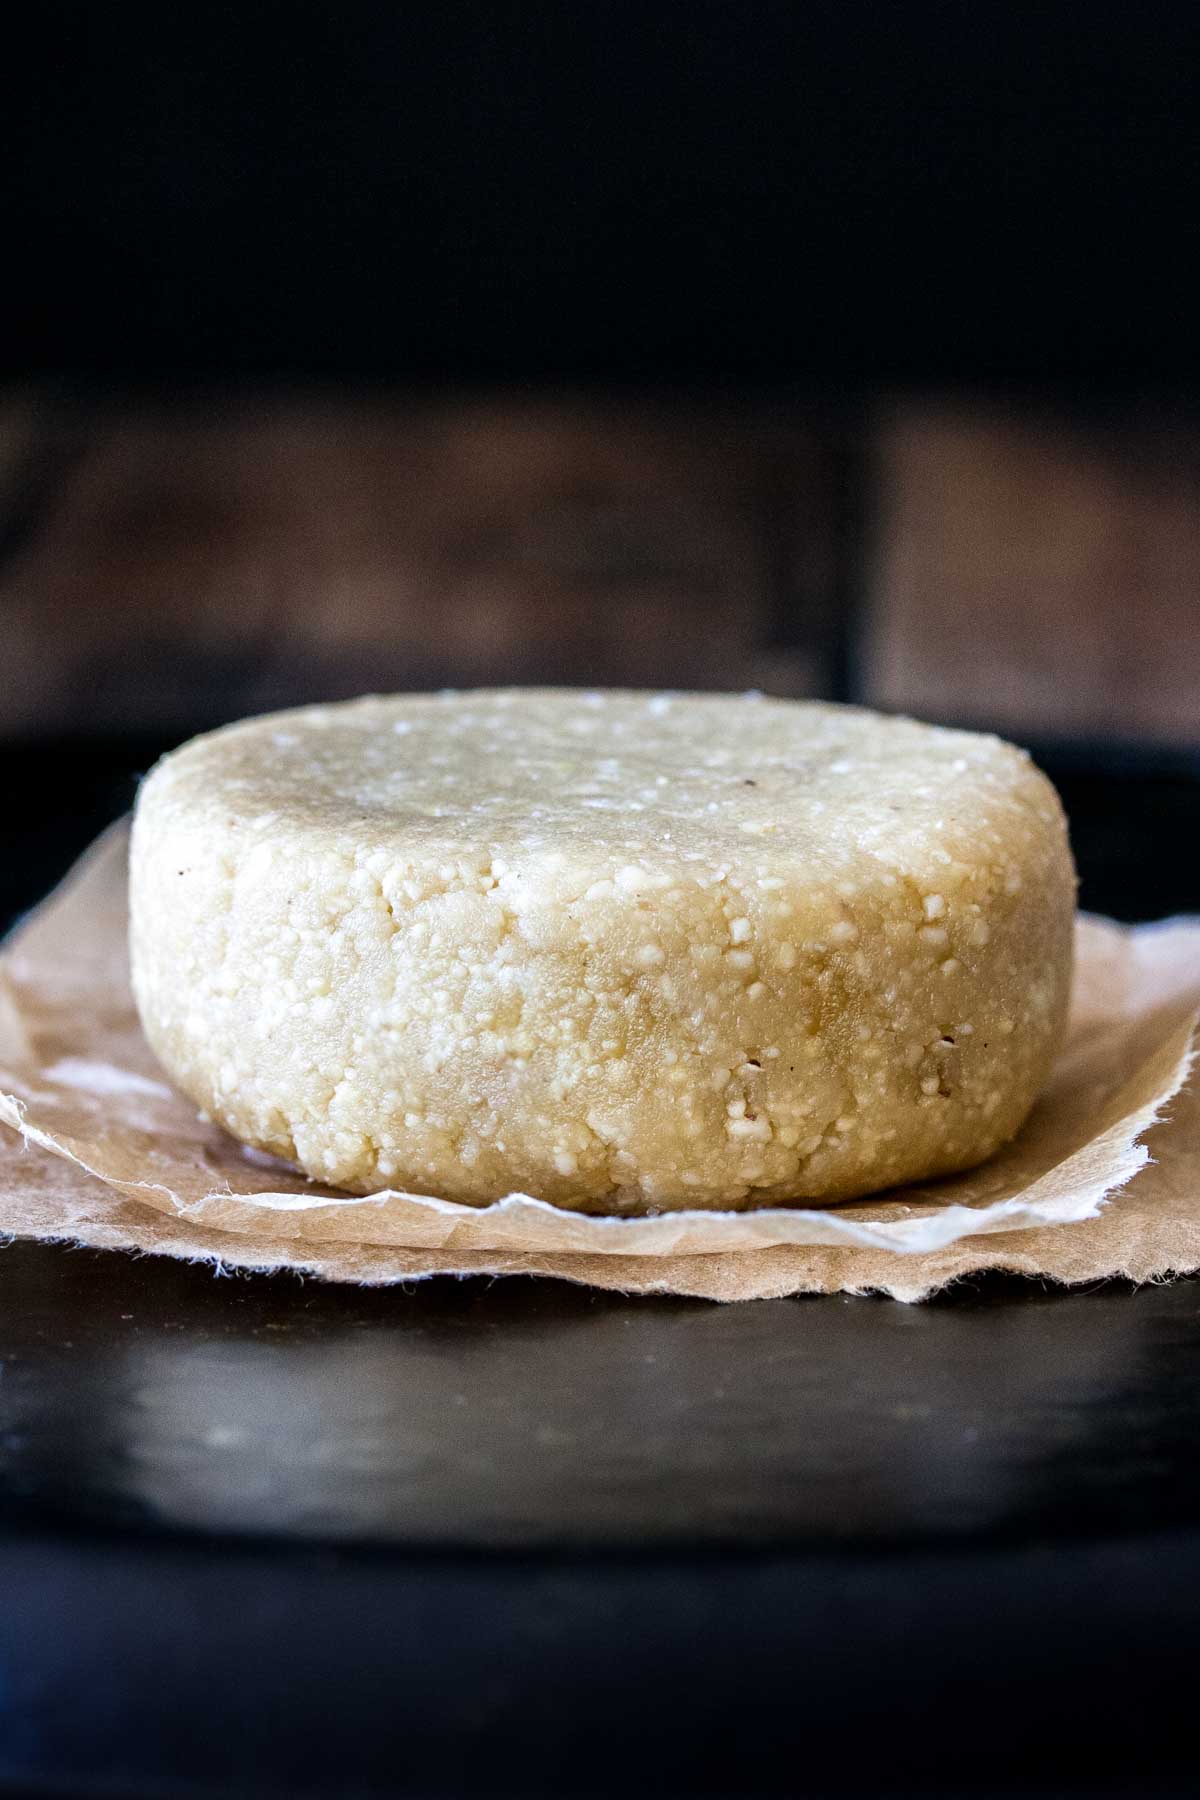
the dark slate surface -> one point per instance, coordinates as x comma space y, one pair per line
149, 1396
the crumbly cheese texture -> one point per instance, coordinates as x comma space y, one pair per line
625, 952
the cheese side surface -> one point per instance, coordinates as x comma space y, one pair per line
624, 952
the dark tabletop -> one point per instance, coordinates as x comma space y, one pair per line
259, 1535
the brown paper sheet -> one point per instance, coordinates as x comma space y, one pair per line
109, 1155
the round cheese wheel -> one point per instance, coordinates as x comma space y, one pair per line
624, 952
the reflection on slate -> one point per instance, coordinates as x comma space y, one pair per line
533, 1414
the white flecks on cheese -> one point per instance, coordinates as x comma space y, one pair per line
623, 951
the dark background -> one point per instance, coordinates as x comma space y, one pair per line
827, 193
837, 350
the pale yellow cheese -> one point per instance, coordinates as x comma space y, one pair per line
620, 951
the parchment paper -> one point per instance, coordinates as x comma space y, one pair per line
109, 1155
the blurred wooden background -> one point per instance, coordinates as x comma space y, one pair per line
162, 569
